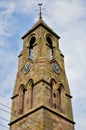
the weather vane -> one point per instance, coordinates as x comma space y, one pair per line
40, 10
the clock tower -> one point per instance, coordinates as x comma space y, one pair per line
41, 97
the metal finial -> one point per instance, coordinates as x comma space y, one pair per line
40, 11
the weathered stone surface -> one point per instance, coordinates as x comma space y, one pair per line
41, 98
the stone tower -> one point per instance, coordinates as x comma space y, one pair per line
41, 98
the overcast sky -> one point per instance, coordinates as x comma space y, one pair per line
68, 19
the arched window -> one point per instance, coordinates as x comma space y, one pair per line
31, 83
52, 81
59, 98
49, 40
32, 95
51, 93
21, 99
32, 41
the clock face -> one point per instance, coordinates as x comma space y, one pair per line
26, 68
56, 68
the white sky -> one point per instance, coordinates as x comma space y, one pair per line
68, 19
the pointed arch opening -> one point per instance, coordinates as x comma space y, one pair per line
31, 84
52, 82
49, 41
59, 96
32, 41
21, 102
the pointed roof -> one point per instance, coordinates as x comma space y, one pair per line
40, 22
